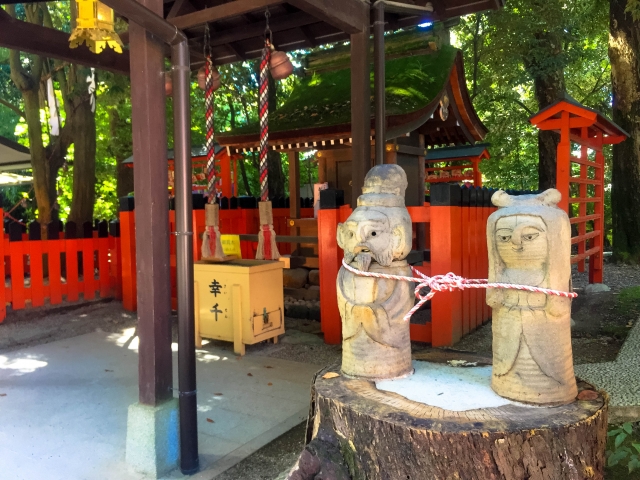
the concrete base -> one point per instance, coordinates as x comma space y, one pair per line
153, 442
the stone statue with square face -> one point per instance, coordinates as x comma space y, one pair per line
529, 240
376, 238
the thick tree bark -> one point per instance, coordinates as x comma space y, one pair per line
245, 179
549, 87
624, 52
45, 161
84, 155
358, 432
276, 179
124, 173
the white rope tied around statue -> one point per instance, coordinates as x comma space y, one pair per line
449, 283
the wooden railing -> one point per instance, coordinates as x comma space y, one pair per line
71, 264
457, 244
237, 216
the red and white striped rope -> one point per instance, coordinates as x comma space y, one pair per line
449, 283
264, 120
210, 144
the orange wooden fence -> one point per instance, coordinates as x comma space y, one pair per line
232, 221
79, 263
579, 178
458, 244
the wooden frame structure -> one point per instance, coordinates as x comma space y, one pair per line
462, 164
238, 27
228, 170
580, 179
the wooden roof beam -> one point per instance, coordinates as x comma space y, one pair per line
38, 40
221, 12
350, 16
255, 29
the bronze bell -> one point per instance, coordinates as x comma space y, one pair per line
280, 65
168, 84
202, 78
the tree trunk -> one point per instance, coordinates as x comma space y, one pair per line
624, 51
124, 173
40, 168
84, 163
549, 87
245, 180
276, 179
45, 161
548, 90
358, 432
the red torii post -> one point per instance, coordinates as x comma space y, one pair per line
591, 131
472, 155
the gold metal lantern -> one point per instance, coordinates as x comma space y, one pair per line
95, 27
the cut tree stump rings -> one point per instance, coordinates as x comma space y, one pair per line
358, 432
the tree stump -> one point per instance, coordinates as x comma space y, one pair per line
358, 432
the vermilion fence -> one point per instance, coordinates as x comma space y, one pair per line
457, 243
72, 264
237, 216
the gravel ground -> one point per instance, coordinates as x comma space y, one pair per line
37, 326
616, 276
271, 460
302, 342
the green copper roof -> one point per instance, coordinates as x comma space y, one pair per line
324, 99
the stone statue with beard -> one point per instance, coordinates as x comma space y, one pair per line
376, 238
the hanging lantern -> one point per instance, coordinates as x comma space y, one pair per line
168, 84
202, 78
94, 26
279, 65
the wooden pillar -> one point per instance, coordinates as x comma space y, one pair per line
563, 162
582, 208
360, 111
225, 175
234, 193
151, 212
446, 253
294, 195
477, 174
596, 262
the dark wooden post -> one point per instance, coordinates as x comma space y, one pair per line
151, 212
294, 195
360, 111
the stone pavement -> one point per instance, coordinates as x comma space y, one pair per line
620, 379
63, 406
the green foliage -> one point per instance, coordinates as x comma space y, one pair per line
633, 7
322, 99
624, 446
505, 50
629, 300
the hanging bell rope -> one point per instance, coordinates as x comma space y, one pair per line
211, 245
267, 247
264, 113
208, 115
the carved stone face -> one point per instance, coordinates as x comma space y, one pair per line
373, 234
521, 242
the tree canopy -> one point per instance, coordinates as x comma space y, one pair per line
518, 60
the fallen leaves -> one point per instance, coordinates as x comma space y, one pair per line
268, 366
329, 375
269, 383
217, 394
249, 374
588, 395
210, 420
